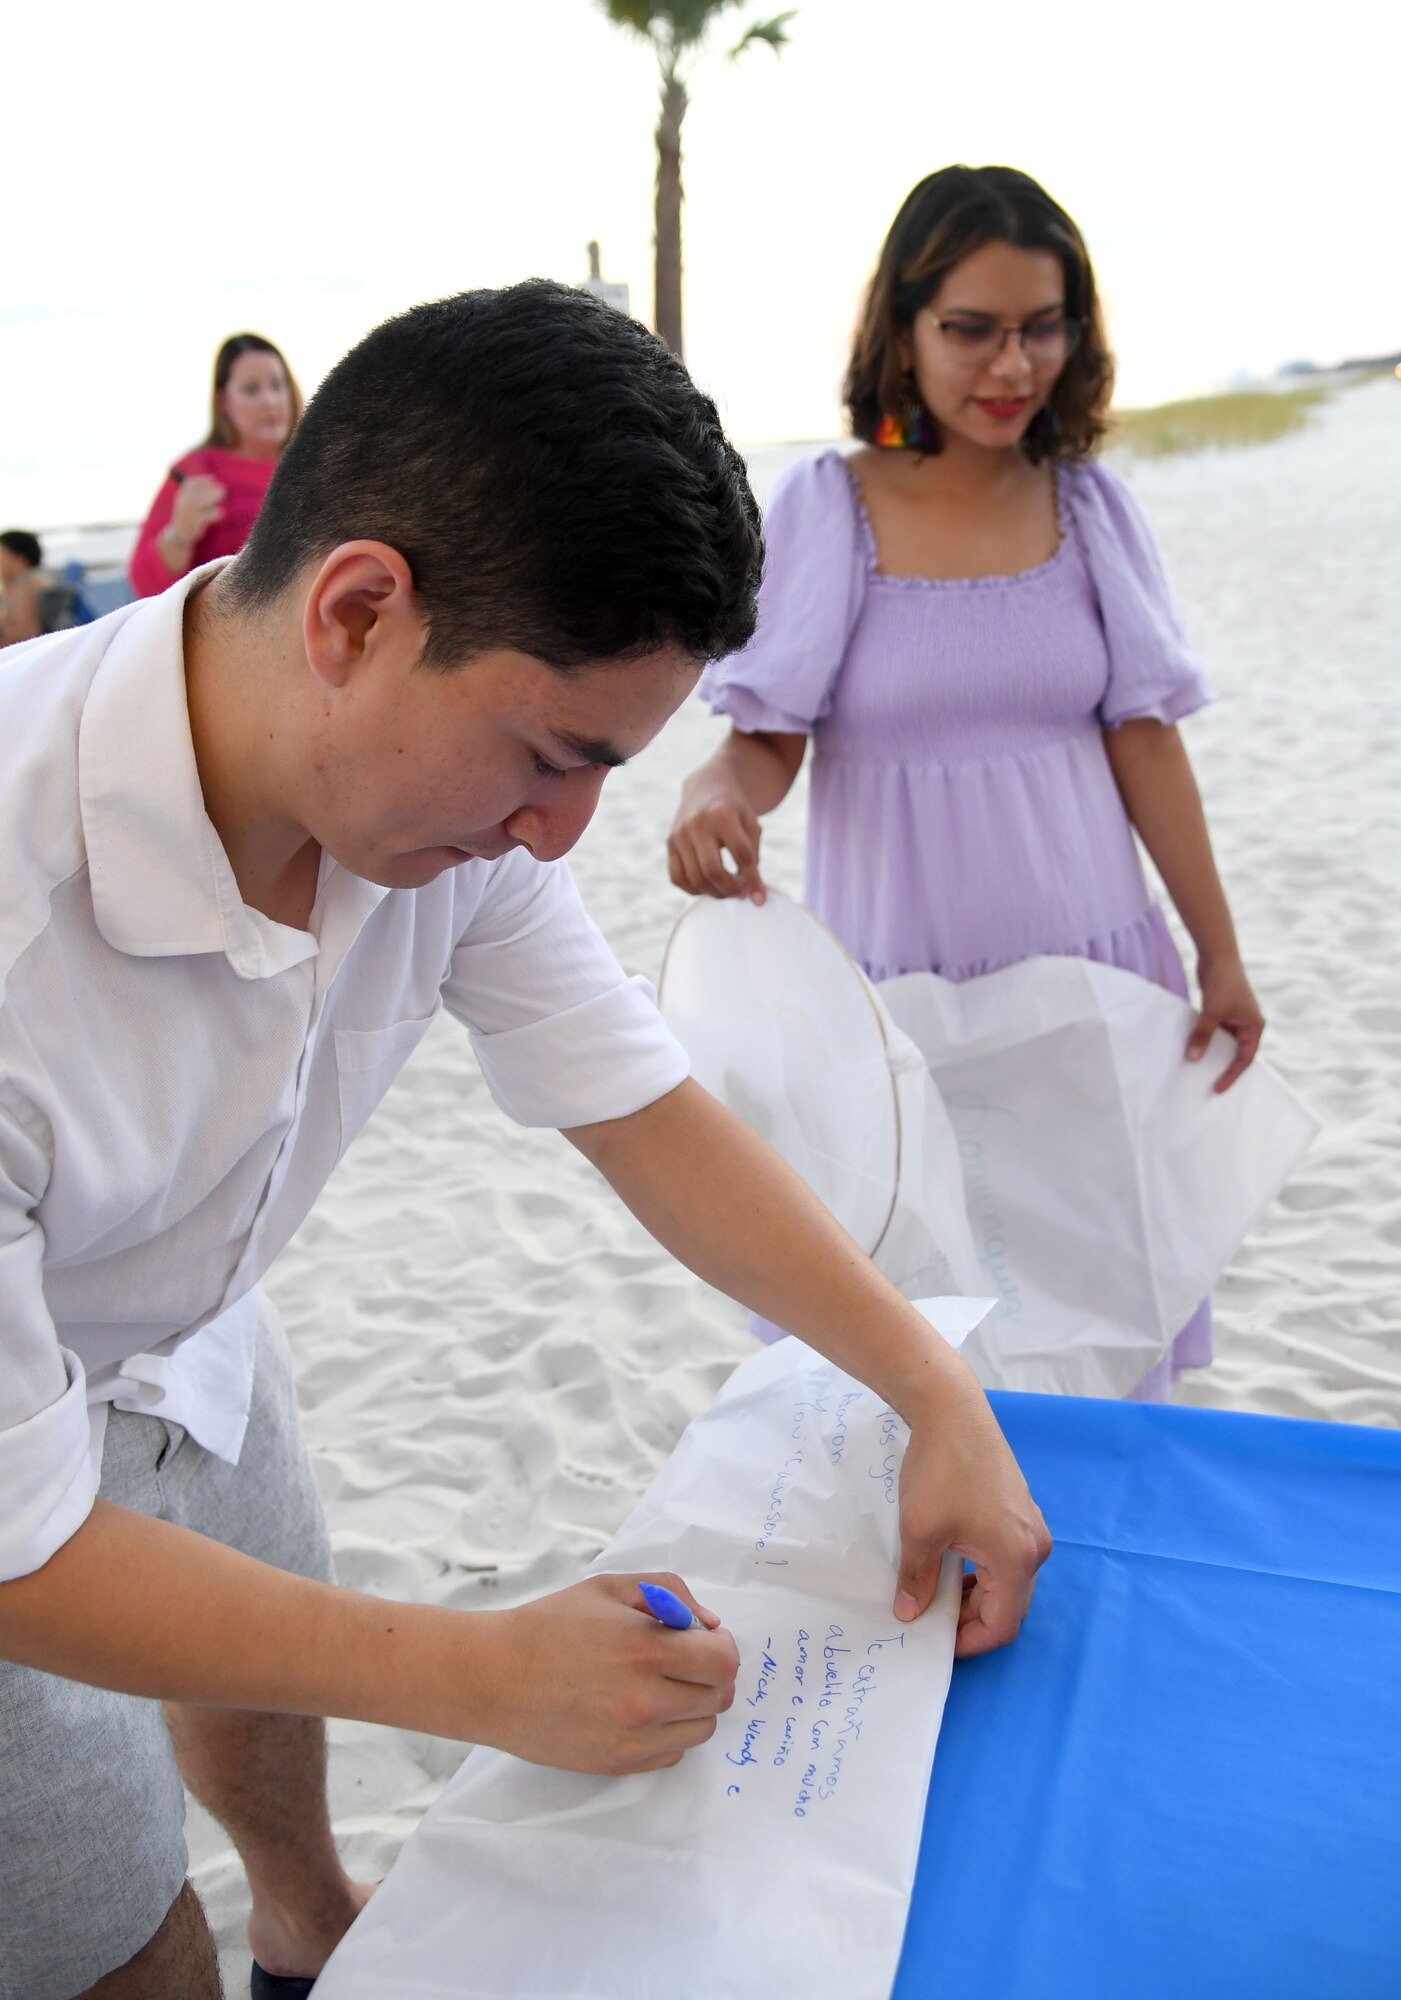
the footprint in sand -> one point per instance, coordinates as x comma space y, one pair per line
1379, 1020
1305, 1195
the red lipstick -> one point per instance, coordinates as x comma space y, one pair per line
1003, 408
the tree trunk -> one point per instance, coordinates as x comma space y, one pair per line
667, 272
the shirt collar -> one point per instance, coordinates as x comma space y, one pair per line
160, 880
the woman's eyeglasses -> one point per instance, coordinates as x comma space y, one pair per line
975, 340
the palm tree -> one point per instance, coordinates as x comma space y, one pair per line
675, 31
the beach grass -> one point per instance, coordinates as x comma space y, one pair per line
1205, 423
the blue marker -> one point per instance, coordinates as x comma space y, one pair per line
665, 1605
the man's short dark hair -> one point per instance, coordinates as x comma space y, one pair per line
21, 543
551, 475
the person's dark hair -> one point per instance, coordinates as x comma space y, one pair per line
551, 475
944, 219
21, 543
221, 431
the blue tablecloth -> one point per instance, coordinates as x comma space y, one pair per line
1184, 1780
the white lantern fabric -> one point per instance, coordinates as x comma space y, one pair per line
777, 1858
1035, 1134
782, 1026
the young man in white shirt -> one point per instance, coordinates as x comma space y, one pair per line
255, 832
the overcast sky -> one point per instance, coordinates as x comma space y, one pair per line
176, 172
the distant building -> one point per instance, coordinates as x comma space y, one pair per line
611, 294
1373, 364
1355, 364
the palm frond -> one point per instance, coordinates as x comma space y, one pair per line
669, 24
773, 34
635, 14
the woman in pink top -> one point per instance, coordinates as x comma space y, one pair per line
212, 495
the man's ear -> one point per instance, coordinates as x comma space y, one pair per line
361, 604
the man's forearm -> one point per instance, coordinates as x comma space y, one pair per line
150, 1609
584, 1679
727, 1206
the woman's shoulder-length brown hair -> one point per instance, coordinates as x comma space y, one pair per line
944, 219
221, 431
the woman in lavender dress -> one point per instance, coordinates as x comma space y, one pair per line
969, 619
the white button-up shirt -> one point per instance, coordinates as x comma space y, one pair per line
179, 1074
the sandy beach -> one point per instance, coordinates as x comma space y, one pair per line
493, 1358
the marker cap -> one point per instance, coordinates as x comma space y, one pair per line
667, 1606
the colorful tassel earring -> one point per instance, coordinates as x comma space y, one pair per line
912, 430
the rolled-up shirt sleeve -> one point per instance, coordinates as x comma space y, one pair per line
47, 1480
564, 1036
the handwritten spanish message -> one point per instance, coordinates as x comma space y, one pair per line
776, 1858
805, 1697
819, 1702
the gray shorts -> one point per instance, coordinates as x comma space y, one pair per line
92, 1811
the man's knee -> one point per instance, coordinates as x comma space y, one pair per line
178, 1963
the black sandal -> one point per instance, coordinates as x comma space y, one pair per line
273, 1986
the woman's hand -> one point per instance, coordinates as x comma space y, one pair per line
1229, 1003
1155, 781
714, 819
199, 503
721, 802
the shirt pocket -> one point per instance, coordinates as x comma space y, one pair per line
367, 1062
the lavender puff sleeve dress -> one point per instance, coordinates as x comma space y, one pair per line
963, 814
